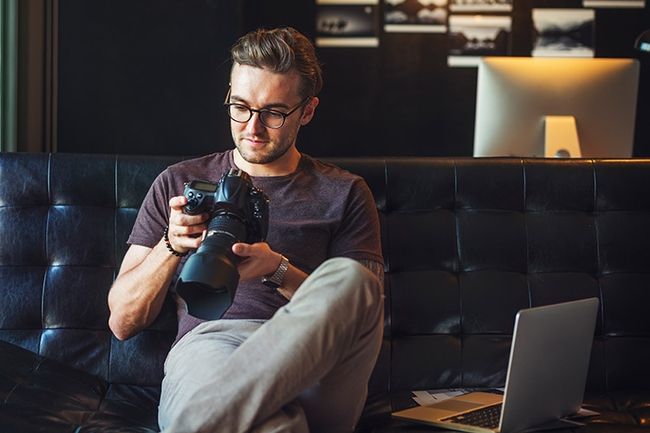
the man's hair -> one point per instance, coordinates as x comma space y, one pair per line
281, 50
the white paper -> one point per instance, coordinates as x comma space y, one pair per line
427, 398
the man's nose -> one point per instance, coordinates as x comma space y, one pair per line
255, 124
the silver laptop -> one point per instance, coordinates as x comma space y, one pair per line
546, 378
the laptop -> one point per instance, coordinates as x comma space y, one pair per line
545, 382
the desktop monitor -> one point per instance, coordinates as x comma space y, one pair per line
555, 107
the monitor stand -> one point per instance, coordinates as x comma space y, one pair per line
561, 137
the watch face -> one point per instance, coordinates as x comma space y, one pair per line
270, 283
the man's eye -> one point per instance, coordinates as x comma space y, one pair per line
239, 108
270, 114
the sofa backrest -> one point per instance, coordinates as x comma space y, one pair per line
64, 221
467, 243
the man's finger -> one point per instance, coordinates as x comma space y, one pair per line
241, 249
178, 202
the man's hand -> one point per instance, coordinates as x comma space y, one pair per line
258, 260
185, 230
138, 292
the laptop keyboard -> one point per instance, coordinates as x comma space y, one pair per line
487, 417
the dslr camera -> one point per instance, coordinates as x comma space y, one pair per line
238, 213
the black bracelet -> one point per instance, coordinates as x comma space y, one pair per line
169, 245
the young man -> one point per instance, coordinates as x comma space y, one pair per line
291, 359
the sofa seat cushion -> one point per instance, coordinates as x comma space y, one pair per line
41, 395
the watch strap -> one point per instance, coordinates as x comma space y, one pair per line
276, 279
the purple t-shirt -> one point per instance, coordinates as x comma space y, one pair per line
318, 212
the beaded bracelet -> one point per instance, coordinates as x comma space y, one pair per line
169, 245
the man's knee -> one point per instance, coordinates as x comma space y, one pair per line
351, 269
355, 278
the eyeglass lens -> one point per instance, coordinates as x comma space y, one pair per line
242, 114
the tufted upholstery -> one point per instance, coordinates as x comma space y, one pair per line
467, 243
64, 221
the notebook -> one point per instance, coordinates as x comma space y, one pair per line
545, 382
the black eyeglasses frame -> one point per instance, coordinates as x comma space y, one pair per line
261, 111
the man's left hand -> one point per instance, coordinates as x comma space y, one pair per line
258, 260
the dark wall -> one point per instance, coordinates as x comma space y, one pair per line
143, 76
148, 76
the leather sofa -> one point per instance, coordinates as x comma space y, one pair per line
467, 243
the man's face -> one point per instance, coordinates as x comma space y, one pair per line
262, 89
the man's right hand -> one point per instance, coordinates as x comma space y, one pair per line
185, 231
138, 292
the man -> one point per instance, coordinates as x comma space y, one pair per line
295, 358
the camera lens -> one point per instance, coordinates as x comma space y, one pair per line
239, 212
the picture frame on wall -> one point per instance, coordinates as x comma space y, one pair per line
614, 4
474, 36
563, 32
347, 23
416, 16
480, 5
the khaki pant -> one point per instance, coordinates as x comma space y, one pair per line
304, 370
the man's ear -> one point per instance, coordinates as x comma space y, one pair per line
308, 112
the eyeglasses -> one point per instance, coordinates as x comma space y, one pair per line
273, 119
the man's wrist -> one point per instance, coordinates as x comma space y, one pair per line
169, 246
276, 279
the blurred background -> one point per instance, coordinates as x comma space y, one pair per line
149, 77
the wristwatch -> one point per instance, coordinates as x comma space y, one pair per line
276, 279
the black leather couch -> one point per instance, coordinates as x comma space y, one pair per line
467, 243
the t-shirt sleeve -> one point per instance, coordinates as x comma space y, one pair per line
358, 236
153, 215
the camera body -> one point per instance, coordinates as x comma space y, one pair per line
234, 196
238, 213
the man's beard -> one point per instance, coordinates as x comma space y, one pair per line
270, 153
266, 156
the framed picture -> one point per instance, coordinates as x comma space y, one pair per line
480, 5
347, 23
620, 4
416, 16
474, 36
563, 32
